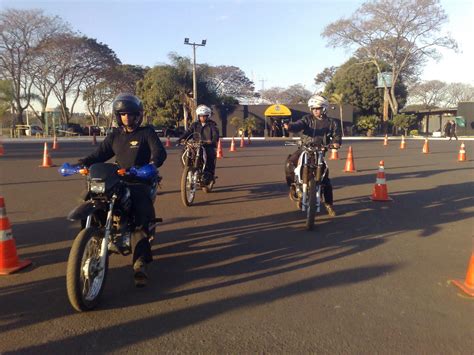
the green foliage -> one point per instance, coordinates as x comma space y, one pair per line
368, 123
414, 132
404, 121
6, 96
356, 81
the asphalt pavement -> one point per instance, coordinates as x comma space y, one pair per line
238, 273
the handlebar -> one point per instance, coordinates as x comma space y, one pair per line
148, 171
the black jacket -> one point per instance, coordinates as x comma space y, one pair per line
313, 128
136, 148
208, 132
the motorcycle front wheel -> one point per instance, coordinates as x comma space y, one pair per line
311, 210
188, 186
85, 277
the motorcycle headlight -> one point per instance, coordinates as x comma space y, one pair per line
97, 187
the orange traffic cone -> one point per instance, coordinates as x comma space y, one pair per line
242, 143
350, 167
385, 140
94, 139
232, 146
402, 143
380, 192
168, 142
468, 284
55, 143
220, 154
47, 162
9, 262
426, 147
334, 155
2, 151
462, 153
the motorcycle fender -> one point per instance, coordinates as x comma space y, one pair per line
84, 210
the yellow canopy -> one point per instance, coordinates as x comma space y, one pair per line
277, 110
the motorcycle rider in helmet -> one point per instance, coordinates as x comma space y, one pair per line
316, 127
209, 134
133, 146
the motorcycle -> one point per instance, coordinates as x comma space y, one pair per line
194, 159
306, 189
106, 227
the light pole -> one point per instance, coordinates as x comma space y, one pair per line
202, 44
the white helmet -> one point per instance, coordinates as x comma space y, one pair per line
316, 101
203, 110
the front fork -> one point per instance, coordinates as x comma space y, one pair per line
108, 227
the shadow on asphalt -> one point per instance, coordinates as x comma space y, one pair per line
231, 253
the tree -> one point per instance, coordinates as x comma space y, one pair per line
401, 33
227, 80
21, 31
356, 82
6, 96
325, 76
338, 99
430, 93
458, 92
81, 61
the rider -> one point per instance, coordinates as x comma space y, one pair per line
209, 134
133, 146
316, 127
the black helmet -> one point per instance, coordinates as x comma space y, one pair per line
129, 104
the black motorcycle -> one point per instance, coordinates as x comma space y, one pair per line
106, 227
194, 160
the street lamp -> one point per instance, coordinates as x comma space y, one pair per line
202, 44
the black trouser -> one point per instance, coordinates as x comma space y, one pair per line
211, 160
143, 212
292, 163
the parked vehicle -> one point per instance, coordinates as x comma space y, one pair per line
70, 129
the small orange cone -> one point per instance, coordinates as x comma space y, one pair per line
242, 143
468, 284
426, 147
232, 146
2, 151
47, 162
402, 143
220, 154
9, 262
385, 141
94, 139
380, 192
334, 155
462, 153
55, 143
168, 142
350, 167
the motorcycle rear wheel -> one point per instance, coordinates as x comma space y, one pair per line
188, 187
85, 278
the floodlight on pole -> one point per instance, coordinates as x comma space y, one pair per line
202, 44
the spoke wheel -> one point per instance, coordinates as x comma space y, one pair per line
85, 277
188, 186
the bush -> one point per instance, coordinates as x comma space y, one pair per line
368, 123
404, 121
414, 132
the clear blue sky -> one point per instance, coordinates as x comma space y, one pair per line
275, 41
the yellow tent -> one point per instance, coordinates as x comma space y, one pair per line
277, 110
